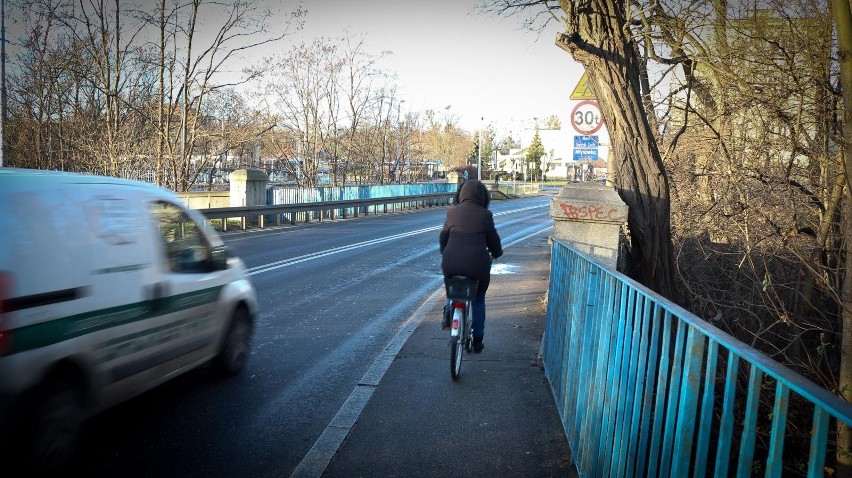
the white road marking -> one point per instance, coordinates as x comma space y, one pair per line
349, 247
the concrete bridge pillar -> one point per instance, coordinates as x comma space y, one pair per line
589, 216
248, 188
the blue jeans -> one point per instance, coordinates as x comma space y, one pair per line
478, 306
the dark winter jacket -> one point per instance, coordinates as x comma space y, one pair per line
469, 239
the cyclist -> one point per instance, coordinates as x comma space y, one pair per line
468, 243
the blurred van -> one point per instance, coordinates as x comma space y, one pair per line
108, 287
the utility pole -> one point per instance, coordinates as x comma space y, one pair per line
397, 164
408, 134
479, 152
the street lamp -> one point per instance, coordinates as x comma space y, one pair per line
445, 144
408, 137
398, 141
479, 152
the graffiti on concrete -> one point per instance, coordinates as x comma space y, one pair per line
593, 213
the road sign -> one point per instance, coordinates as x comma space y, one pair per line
583, 91
584, 154
586, 142
586, 117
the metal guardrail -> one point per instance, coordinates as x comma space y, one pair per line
319, 210
645, 388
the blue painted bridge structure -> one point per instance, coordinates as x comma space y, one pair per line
645, 388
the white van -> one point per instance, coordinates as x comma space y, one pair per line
108, 287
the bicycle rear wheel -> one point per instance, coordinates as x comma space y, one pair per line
457, 344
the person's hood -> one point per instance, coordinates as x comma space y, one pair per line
473, 190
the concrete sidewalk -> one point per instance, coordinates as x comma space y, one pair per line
497, 420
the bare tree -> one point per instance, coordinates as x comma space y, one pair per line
751, 128
231, 130
299, 92
193, 67
339, 111
38, 91
104, 88
78, 70
98, 28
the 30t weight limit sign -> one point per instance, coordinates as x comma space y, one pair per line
586, 117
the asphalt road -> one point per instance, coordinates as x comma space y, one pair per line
332, 295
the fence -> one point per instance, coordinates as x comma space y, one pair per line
645, 388
292, 195
260, 216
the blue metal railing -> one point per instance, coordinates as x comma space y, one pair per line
645, 388
298, 195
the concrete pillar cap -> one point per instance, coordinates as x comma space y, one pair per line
249, 175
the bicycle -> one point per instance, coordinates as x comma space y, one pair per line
461, 290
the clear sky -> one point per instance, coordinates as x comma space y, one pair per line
445, 53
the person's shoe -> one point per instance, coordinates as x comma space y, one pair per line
445, 323
478, 345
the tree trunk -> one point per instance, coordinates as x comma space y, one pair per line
843, 24
844, 380
597, 38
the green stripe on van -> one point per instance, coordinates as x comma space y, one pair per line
55, 331
113, 270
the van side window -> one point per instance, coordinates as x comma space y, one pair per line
186, 247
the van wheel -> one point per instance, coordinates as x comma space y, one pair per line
54, 424
235, 348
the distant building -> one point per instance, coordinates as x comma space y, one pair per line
562, 160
